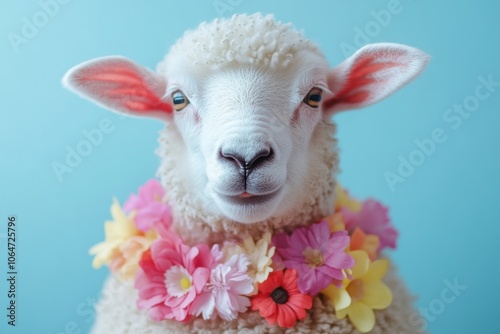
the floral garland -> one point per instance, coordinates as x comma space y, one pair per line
278, 275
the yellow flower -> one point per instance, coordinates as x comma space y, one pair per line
365, 292
259, 255
123, 245
336, 221
343, 200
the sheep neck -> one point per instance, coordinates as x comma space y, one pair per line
195, 224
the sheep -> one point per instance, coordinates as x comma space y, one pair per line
249, 146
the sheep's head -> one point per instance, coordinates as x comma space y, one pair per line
247, 96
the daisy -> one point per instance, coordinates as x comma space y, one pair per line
171, 276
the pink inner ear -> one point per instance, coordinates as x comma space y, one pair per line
359, 78
119, 84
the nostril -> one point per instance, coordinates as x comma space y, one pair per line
233, 157
249, 162
259, 158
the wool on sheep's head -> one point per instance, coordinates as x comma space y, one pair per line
248, 102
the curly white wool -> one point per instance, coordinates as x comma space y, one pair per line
243, 39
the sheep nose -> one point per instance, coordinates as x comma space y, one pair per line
249, 161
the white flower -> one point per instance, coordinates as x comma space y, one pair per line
259, 256
225, 291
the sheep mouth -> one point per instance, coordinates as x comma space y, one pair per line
248, 199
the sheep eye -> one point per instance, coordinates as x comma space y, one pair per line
313, 98
179, 100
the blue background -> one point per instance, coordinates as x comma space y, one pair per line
446, 210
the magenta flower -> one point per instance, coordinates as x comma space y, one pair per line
170, 277
373, 218
316, 254
149, 206
225, 291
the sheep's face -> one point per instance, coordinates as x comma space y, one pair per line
247, 132
247, 98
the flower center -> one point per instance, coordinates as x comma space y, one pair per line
185, 283
313, 257
178, 281
356, 290
279, 295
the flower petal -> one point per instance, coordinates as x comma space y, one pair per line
149, 303
241, 285
307, 282
200, 278
341, 314
286, 316
204, 304
338, 241
160, 312
298, 241
376, 295
300, 313
274, 281
239, 304
374, 219
361, 316
180, 314
223, 305
271, 320
329, 273
266, 307
318, 234
357, 239
339, 297
300, 301
339, 260
362, 263
377, 270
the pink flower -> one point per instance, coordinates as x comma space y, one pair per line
373, 219
170, 277
225, 292
149, 206
316, 254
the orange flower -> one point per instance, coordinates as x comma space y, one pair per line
367, 242
279, 299
336, 222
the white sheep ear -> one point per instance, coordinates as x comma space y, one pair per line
121, 85
372, 73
